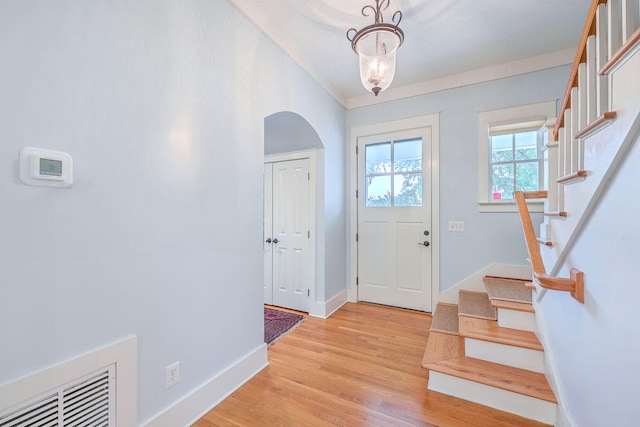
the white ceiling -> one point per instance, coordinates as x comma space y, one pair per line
447, 42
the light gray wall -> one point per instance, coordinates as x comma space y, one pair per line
488, 237
162, 106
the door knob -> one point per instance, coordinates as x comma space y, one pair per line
425, 243
426, 233
276, 241
268, 240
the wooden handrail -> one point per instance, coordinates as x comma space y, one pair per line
529, 234
545, 242
574, 284
572, 177
600, 122
562, 214
538, 194
581, 56
620, 53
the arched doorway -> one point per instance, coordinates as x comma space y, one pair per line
293, 152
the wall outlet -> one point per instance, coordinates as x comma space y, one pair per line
172, 375
456, 226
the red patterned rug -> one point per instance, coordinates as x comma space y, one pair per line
277, 323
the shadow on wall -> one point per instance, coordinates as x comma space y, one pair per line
285, 132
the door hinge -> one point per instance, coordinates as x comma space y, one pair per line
356, 194
308, 234
356, 149
356, 237
308, 176
308, 293
357, 281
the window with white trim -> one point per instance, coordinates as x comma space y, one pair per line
510, 154
515, 159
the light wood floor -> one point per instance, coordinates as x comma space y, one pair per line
360, 367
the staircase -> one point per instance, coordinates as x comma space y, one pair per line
484, 350
487, 348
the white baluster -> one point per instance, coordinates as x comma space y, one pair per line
550, 152
601, 59
582, 97
568, 137
614, 24
575, 122
628, 19
592, 77
561, 164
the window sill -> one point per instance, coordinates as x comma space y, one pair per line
509, 206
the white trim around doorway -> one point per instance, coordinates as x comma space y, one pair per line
430, 120
316, 225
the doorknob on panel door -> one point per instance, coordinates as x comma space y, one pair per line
276, 241
425, 243
268, 240
426, 233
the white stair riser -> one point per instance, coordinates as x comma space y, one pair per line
515, 319
503, 400
518, 357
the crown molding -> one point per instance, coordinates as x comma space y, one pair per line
481, 75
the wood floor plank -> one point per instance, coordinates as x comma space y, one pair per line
360, 367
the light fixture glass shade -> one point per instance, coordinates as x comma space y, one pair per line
377, 53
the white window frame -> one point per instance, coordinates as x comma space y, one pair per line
523, 114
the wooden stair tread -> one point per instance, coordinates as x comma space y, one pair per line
475, 304
516, 380
510, 305
445, 319
507, 290
441, 346
487, 330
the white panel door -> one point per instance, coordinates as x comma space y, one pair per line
394, 219
290, 235
267, 227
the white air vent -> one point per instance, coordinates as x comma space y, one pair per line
41, 413
88, 401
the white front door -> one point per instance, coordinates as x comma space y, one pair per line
290, 278
394, 219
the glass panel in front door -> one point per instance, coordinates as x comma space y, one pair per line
393, 173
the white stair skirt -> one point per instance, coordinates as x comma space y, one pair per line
518, 357
503, 400
514, 319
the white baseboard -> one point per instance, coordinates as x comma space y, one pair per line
474, 282
194, 406
326, 309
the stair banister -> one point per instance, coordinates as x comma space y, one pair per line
616, 22
632, 136
573, 284
581, 56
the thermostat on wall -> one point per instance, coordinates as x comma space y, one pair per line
45, 168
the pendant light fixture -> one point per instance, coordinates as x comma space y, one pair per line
376, 46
